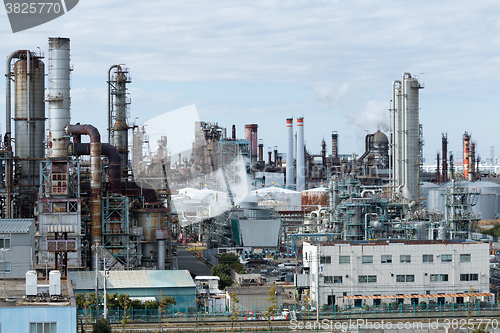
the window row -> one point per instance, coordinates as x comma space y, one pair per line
403, 258
401, 278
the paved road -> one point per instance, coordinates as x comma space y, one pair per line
186, 260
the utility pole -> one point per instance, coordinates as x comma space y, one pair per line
105, 294
96, 282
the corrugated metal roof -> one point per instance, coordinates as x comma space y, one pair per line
15, 225
134, 279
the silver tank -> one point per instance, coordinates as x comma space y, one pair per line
59, 96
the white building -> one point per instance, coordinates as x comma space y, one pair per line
207, 290
371, 270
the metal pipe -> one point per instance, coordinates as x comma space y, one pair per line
114, 162
95, 176
8, 111
394, 146
161, 254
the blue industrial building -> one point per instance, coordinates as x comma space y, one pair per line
141, 284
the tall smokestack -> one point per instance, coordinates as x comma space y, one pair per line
59, 96
261, 152
444, 177
251, 135
301, 171
289, 153
233, 132
466, 140
335, 144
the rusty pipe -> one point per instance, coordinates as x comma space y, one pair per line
112, 154
95, 176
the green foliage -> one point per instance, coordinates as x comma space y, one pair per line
167, 300
80, 301
234, 308
223, 271
422, 305
151, 304
495, 231
394, 305
102, 326
232, 260
112, 302
366, 307
271, 309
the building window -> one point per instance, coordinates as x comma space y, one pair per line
367, 259
337, 279
439, 277
465, 257
427, 258
325, 260
446, 258
5, 266
405, 258
344, 260
405, 278
386, 259
5, 243
43, 327
367, 278
469, 277
328, 279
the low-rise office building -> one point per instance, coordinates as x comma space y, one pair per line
367, 272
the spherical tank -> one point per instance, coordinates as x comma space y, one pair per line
34, 134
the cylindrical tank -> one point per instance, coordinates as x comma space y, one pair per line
444, 177
29, 120
59, 96
36, 128
435, 199
289, 153
442, 233
161, 235
412, 142
251, 135
149, 221
301, 167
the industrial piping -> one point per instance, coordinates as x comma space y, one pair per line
95, 176
112, 154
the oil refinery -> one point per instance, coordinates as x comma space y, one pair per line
135, 204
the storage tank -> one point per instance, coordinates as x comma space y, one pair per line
435, 199
379, 151
314, 198
31, 283
149, 220
55, 283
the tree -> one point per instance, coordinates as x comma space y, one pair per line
223, 271
271, 309
101, 326
233, 261
234, 308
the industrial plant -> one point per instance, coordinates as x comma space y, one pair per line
128, 204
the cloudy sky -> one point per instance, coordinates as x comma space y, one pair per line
331, 62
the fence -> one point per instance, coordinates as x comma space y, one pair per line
386, 311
